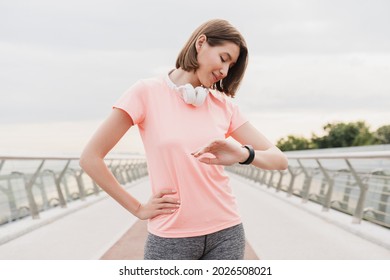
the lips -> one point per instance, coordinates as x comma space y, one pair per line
215, 78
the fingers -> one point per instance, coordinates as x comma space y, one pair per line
166, 202
166, 206
210, 148
165, 192
165, 211
162, 206
170, 200
161, 201
201, 152
159, 204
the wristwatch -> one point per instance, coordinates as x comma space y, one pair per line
251, 155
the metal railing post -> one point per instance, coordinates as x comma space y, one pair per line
384, 197
68, 195
30, 196
279, 186
42, 190
80, 183
130, 171
358, 214
306, 182
264, 177
269, 185
253, 172
292, 180
328, 196
2, 164
258, 175
11, 200
58, 180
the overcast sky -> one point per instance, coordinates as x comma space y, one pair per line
63, 63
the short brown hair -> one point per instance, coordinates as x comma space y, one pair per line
217, 32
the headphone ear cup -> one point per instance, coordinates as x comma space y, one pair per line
201, 94
194, 96
188, 93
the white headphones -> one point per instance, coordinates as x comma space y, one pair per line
190, 95
194, 96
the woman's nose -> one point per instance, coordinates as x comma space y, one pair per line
224, 70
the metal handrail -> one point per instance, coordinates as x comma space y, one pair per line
111, 157
360, 188
36, 190
351, 155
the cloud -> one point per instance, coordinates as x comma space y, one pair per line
282, 26
59, 138
326, 83
68, 61
42, 84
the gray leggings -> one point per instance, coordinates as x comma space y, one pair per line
227, 244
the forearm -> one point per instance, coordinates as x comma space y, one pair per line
271, 159
267, 155
99, 172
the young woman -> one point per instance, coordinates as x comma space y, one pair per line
184, 118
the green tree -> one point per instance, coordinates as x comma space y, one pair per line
338, 135
292, 143
364, 136
382, 135
320, 142
344, 135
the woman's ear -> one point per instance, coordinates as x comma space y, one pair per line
202, 39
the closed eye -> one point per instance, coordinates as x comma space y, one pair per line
224, 60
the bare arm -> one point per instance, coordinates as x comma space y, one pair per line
267, 155
92, 162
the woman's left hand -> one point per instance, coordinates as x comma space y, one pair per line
225, 153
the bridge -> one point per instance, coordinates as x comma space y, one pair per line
324, 207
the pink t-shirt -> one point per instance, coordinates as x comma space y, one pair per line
170, 130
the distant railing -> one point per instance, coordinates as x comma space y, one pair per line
356, 183
30, 185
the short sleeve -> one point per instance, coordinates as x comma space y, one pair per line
133, 102
237, 120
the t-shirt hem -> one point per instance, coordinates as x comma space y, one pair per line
122, 108
194, 233
238, 126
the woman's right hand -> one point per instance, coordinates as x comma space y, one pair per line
158, 204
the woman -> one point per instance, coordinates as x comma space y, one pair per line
184, 118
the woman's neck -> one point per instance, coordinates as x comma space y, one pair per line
180, 77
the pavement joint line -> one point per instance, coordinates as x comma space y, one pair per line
348, 228
46, 221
